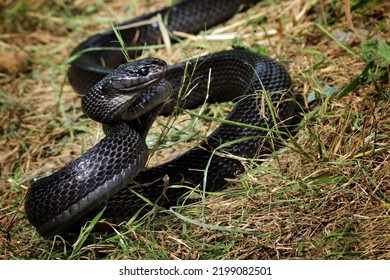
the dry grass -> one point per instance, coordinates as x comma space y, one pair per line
329, 200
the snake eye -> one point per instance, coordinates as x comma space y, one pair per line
143, 71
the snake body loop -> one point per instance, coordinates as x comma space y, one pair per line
112, 174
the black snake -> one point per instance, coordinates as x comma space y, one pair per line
112, 174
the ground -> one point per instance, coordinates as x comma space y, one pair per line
326, 195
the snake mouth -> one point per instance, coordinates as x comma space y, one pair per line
147, 84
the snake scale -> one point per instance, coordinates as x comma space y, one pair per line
112, 174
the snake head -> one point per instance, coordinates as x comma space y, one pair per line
136, 76
108, 101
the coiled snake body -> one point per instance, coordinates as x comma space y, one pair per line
112, 174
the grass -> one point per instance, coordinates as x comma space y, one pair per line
326, 195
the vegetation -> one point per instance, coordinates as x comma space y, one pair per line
326, 195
